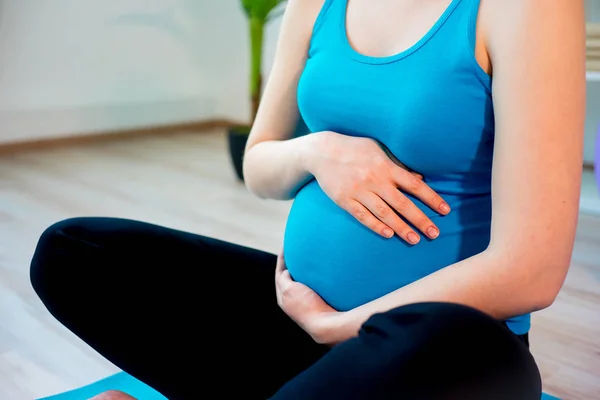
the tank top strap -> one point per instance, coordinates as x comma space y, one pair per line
324, 14
468, 15
458, 39
459, 27
325, 31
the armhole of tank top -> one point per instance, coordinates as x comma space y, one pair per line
319, 20
473, 16
321, 16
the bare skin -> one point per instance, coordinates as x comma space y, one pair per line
537, 51
113, 395
539, 124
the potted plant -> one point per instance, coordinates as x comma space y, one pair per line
258, 13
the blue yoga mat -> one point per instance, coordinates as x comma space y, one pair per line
119, 381
128, 384
548, 397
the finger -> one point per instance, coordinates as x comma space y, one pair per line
284, 283
279, 270
286, 276
411, 213
280, 267
285, 279
418, 188
417, 175
365, 217
388, 216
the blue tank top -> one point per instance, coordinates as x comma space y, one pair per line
431, 106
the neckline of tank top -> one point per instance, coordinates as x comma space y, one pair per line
356, 55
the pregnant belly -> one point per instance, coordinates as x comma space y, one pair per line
348, 265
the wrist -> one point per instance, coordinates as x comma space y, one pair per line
313, 147
334, 328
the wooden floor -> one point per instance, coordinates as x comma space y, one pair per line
185, 181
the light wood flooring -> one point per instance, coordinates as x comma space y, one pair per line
184, 180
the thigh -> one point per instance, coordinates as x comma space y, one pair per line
184, 313
423, 352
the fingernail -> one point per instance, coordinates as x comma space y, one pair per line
413, 238
387, 232
433, 232
445, 208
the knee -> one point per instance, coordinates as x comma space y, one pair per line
451, 329
431, 320
48, 269
454, 344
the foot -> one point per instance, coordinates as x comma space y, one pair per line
113, 395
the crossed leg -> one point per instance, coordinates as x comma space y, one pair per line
198, 316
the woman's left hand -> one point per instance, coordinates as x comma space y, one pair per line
304, 306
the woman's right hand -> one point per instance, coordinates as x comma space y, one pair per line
358, 175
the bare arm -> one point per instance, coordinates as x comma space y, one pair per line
356, 173
274, 165
537, 50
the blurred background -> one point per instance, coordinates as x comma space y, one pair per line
126, 108
74, 67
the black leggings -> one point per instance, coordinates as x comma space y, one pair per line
195, 317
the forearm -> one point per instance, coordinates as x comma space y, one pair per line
277, 169
487, 282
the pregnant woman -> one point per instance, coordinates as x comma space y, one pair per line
435, 207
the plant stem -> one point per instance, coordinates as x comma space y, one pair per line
257, 28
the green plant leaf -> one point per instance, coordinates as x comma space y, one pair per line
258, 12
259, 9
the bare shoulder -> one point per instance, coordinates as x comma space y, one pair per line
303, 14
278, 111
511, 12
297, 26
531, 22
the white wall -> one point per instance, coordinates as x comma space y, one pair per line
77, 66
592, 123
593, 94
